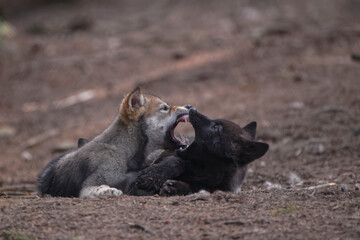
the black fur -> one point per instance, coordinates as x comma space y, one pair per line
46, 176
160, 173
49, 183
220, 151
66, 187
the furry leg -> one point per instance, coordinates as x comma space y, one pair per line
153, 177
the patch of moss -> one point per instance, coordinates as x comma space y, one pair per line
283, 210
17, 235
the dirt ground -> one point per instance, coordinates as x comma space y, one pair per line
293, 66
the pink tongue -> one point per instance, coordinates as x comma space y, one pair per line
183, 118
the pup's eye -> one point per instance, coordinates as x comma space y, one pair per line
164, 108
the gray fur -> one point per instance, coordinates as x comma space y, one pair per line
98, 164
238, 178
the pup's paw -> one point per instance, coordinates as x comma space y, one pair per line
105, 190
152, 178
96, 191
201, 194
149, 183
174, 187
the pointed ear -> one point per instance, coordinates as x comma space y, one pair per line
257, 149
251, 129
252, 151
82, 142
131, 106
135, 99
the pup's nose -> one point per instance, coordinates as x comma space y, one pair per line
193, 110
188, 106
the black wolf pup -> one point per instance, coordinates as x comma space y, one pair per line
216, 160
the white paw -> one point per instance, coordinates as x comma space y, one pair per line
108, 191
103, 190
201, 193
237, 190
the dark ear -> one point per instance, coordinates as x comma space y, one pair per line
252, 151
251, 129
136, 99
257, 149
82, 142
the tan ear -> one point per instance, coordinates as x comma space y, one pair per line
131, 104
136, 99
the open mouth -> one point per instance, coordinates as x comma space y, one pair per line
178, 137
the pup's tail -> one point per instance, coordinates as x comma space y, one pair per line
47, 176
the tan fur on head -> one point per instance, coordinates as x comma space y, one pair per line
133, 106
156, 115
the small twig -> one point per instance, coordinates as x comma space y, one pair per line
234, 223
332, 109
39, 138
17, 193
19, 188
74, 99
20, 196
321, 186
141, 227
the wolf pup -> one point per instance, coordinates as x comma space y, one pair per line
216, 160
142, 129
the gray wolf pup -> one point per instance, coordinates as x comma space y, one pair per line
216, 160
142, 129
